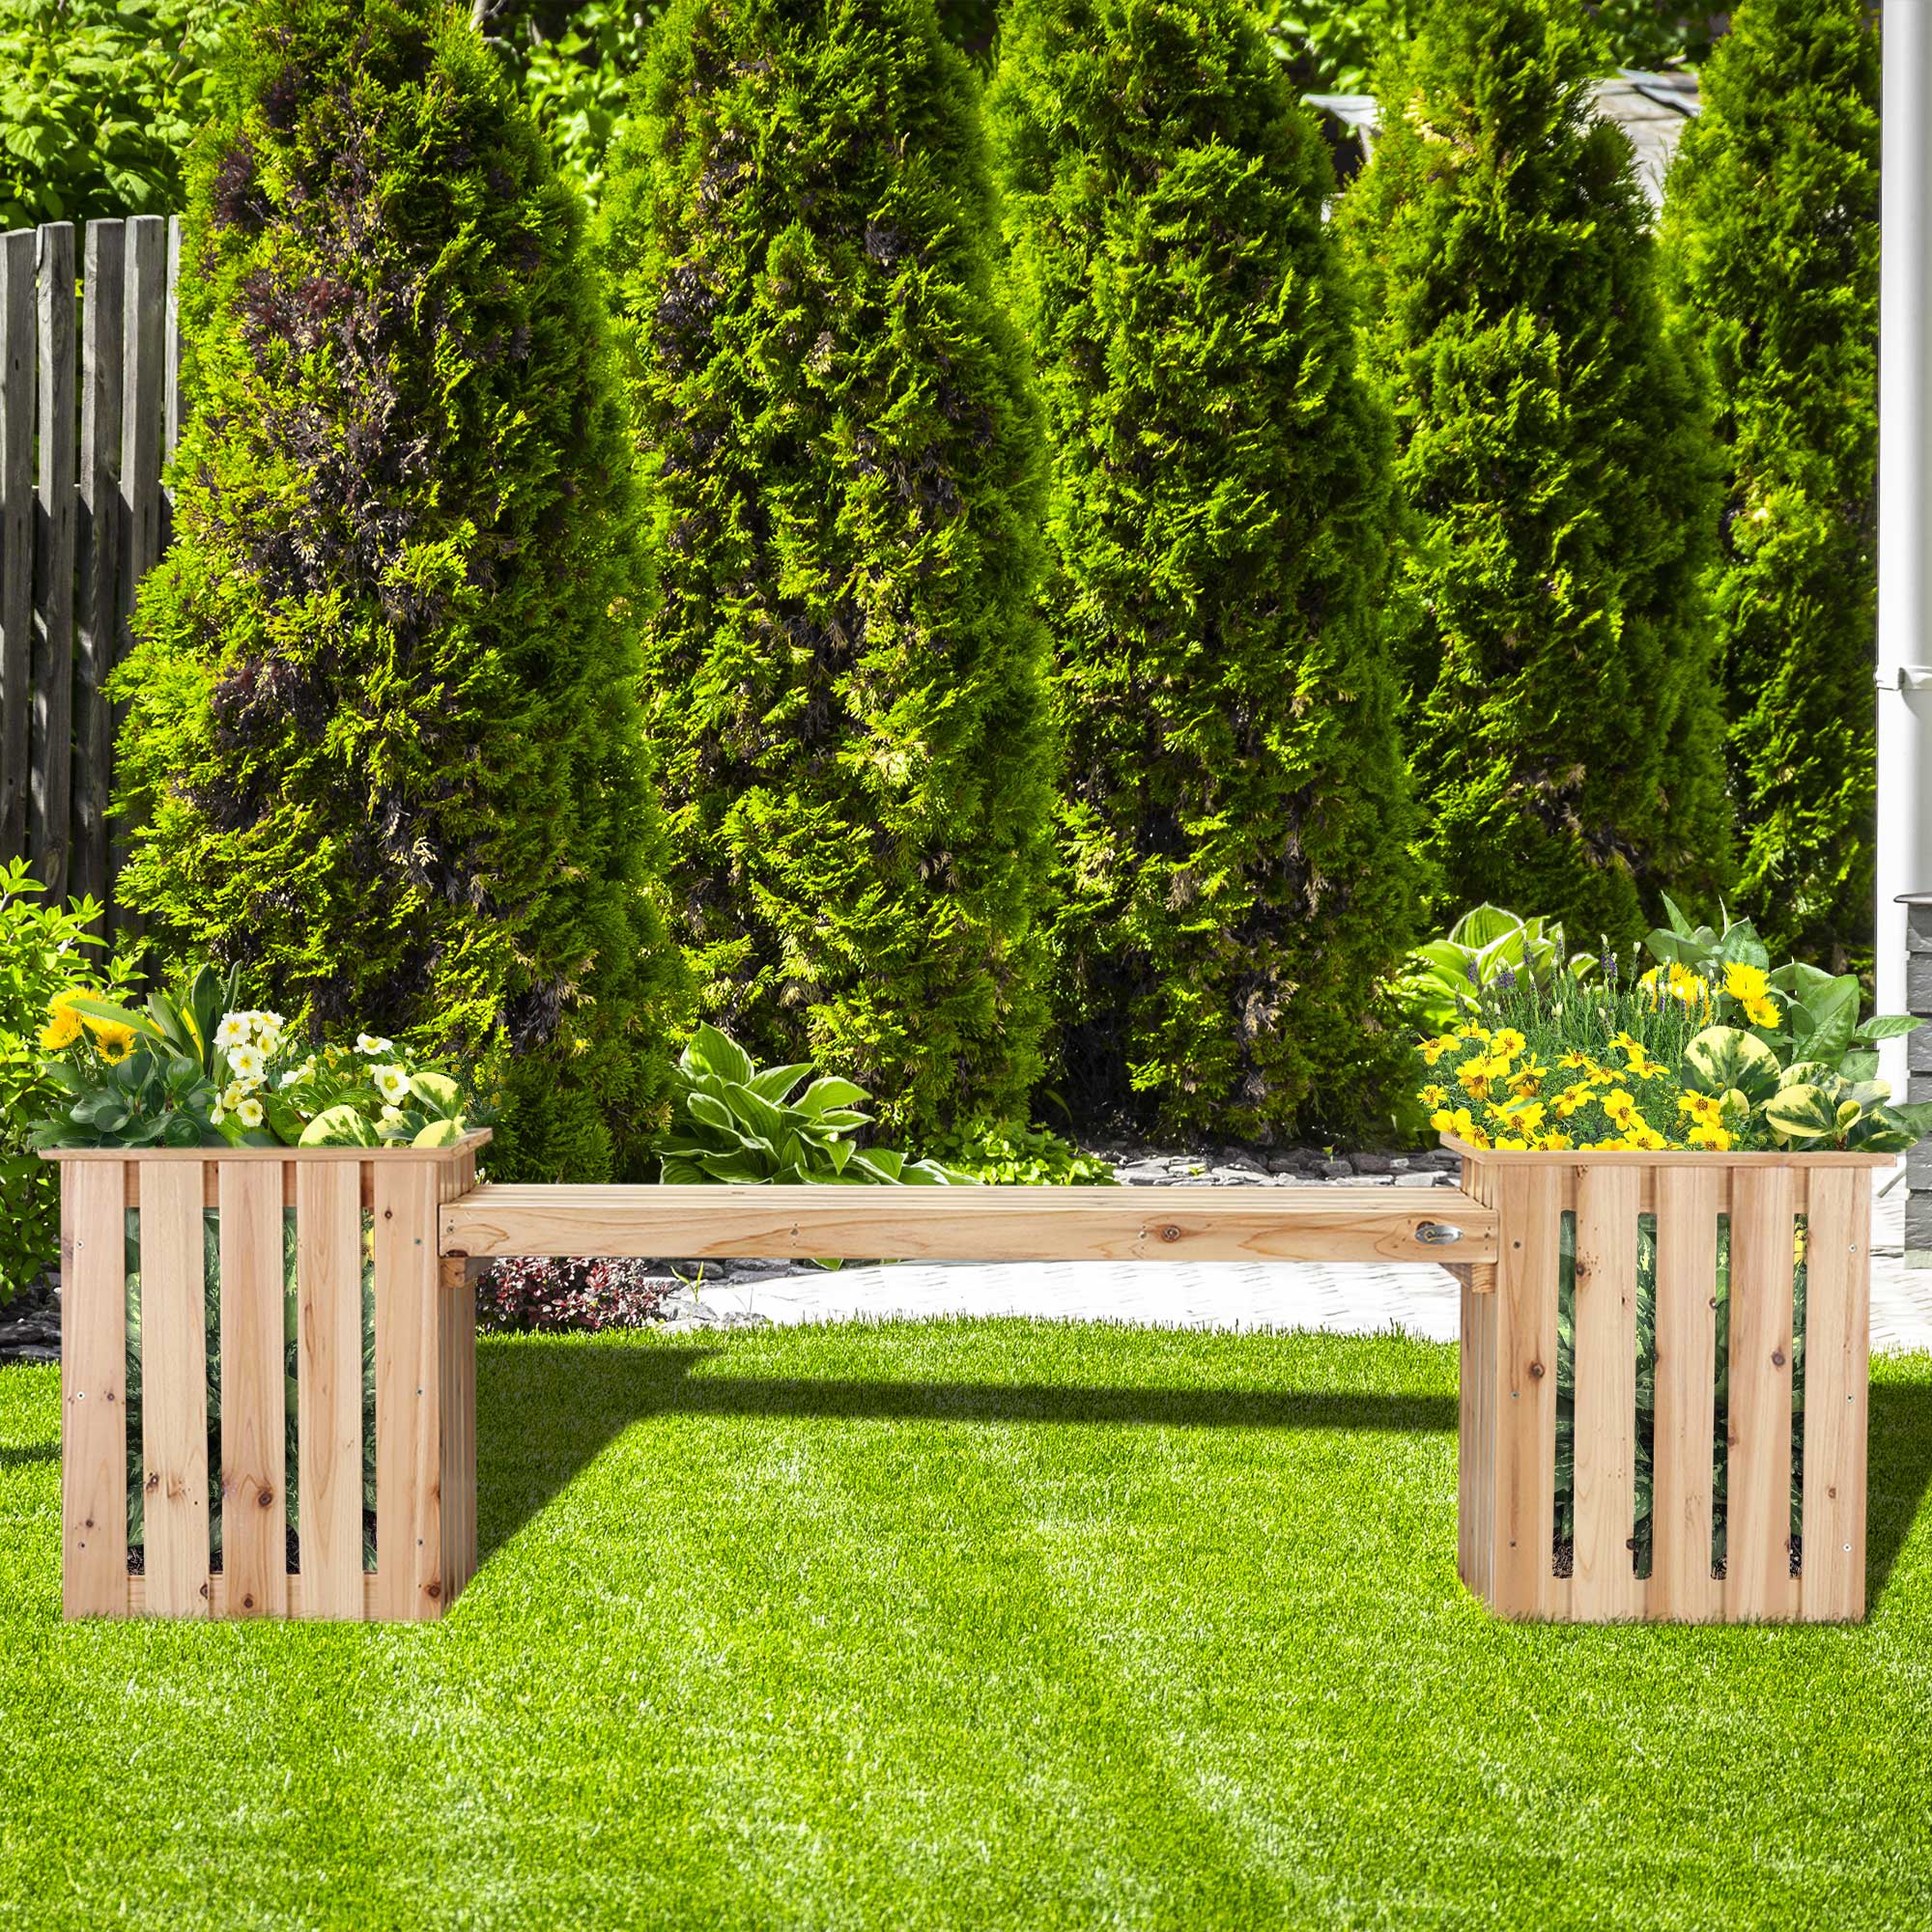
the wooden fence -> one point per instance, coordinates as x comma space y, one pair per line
89, 412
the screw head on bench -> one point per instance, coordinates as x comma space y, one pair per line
1437, 1233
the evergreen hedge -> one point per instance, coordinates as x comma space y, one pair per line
383, 741
1238, 812
1555, 457
847, 670
1772, 241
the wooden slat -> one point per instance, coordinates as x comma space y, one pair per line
16, 531
462, 1149
409, 1514
1674, 1157
328, 1266
1530, 1202
297, 1599
1837, 1298
1682, 1586
969, 1223
1476, 1426
171, 409
98, 554
93, 1416
1757, 1578
174, 1391
52, 753
254, 1480
143, 341
1603, 1574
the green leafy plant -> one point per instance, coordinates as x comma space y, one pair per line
732, 1121
578, 81
1554, 458
383, 736
1236, 824
1018, 1156
44, 951
1440, 980
847, 673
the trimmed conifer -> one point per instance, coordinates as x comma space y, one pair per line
1237, 811
847, 671
383, 743
1554, 455
1770, 241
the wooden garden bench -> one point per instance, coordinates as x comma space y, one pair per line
433, 1227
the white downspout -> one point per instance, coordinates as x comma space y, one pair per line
1904, 500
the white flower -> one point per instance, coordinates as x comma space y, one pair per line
233, 1095
233, 1030
247, 1063
391, 1082
217, 1115
249, 1113
367, 1042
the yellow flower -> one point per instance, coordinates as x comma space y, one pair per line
1526, 1115
1708, 1134
1506, 1045
115, 1041
1746, 984
1621, 1107
1433, 1050
1704, 1109
1573, 1061
1642, 1067
1462, 1123
63, 1030
1470, 1030
1643, 1137
1679, 982
1434, 1096
1762, 1012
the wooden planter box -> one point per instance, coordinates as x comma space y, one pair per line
1577, 1232
334, 1210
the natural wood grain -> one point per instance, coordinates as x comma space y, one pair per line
329, 1282
98, 554
1669, 1158
1757, 1573
1681, 1585
174, 1391
1530, 1204
969, 1223
16, 532
171, 357
409, 1513
1603, 1575
462, 1149
1837, 1330
295, 1586
51, 757
94, 1415
254, 1423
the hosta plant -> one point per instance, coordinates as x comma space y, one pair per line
1439, 980
732, 1121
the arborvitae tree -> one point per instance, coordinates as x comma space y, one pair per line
847, 670
1771, 239
384, 742
1556, 455
1238, 811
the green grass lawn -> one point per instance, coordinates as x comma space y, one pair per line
994, 1624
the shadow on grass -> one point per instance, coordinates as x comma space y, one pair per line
23, 1455
1900, 1471
547, 1411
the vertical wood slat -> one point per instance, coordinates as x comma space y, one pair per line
329, 1277
254, 1484
17, 271
1838, 1308
171, 415
1681, 1585
409, 1512
1603, 1572
51, 756
98, 544
1525, 1496
1476, 1420
94, 1415
174, 1390
1757, 1568
143, 341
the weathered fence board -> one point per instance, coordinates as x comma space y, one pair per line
89, 414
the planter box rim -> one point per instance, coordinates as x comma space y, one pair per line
477, 1137
1667, 1156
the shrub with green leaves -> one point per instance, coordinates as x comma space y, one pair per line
45, 950
733, 1120
1237, 817
1554, 455
847, 670
99, 100
385, 741
1771, 240
1442, 978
